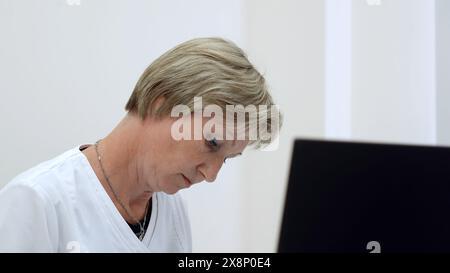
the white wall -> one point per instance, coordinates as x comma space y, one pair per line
286, 41
338, 69
443, 71
385, 89
393, 71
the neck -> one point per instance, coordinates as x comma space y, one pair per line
119, 154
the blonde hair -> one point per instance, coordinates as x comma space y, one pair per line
212, 68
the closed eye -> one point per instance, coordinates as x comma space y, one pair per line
213, 144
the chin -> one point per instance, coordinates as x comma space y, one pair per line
171, 190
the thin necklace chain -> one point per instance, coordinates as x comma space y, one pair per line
141, 225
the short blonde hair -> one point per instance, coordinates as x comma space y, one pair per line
212, 68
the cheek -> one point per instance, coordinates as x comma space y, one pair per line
189, 153
182, 157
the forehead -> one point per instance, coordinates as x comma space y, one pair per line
232, 138
235, 133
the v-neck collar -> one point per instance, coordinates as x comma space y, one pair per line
118, 222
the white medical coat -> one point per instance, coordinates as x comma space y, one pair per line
61, 206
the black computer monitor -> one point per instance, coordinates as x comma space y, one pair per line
362, 197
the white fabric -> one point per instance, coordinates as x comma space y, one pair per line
61, 206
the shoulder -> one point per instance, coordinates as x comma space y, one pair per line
28, 220
48, 180
22, 196
175, 205
19, 192
30, 203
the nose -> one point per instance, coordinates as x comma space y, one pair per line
210, 170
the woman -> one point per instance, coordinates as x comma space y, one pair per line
119, 194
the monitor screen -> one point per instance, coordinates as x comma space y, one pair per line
363, 197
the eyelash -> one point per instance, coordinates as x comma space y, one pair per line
213, 143
214, 146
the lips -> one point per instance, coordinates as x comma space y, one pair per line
187, 181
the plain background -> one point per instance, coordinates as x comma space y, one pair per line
374, 70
